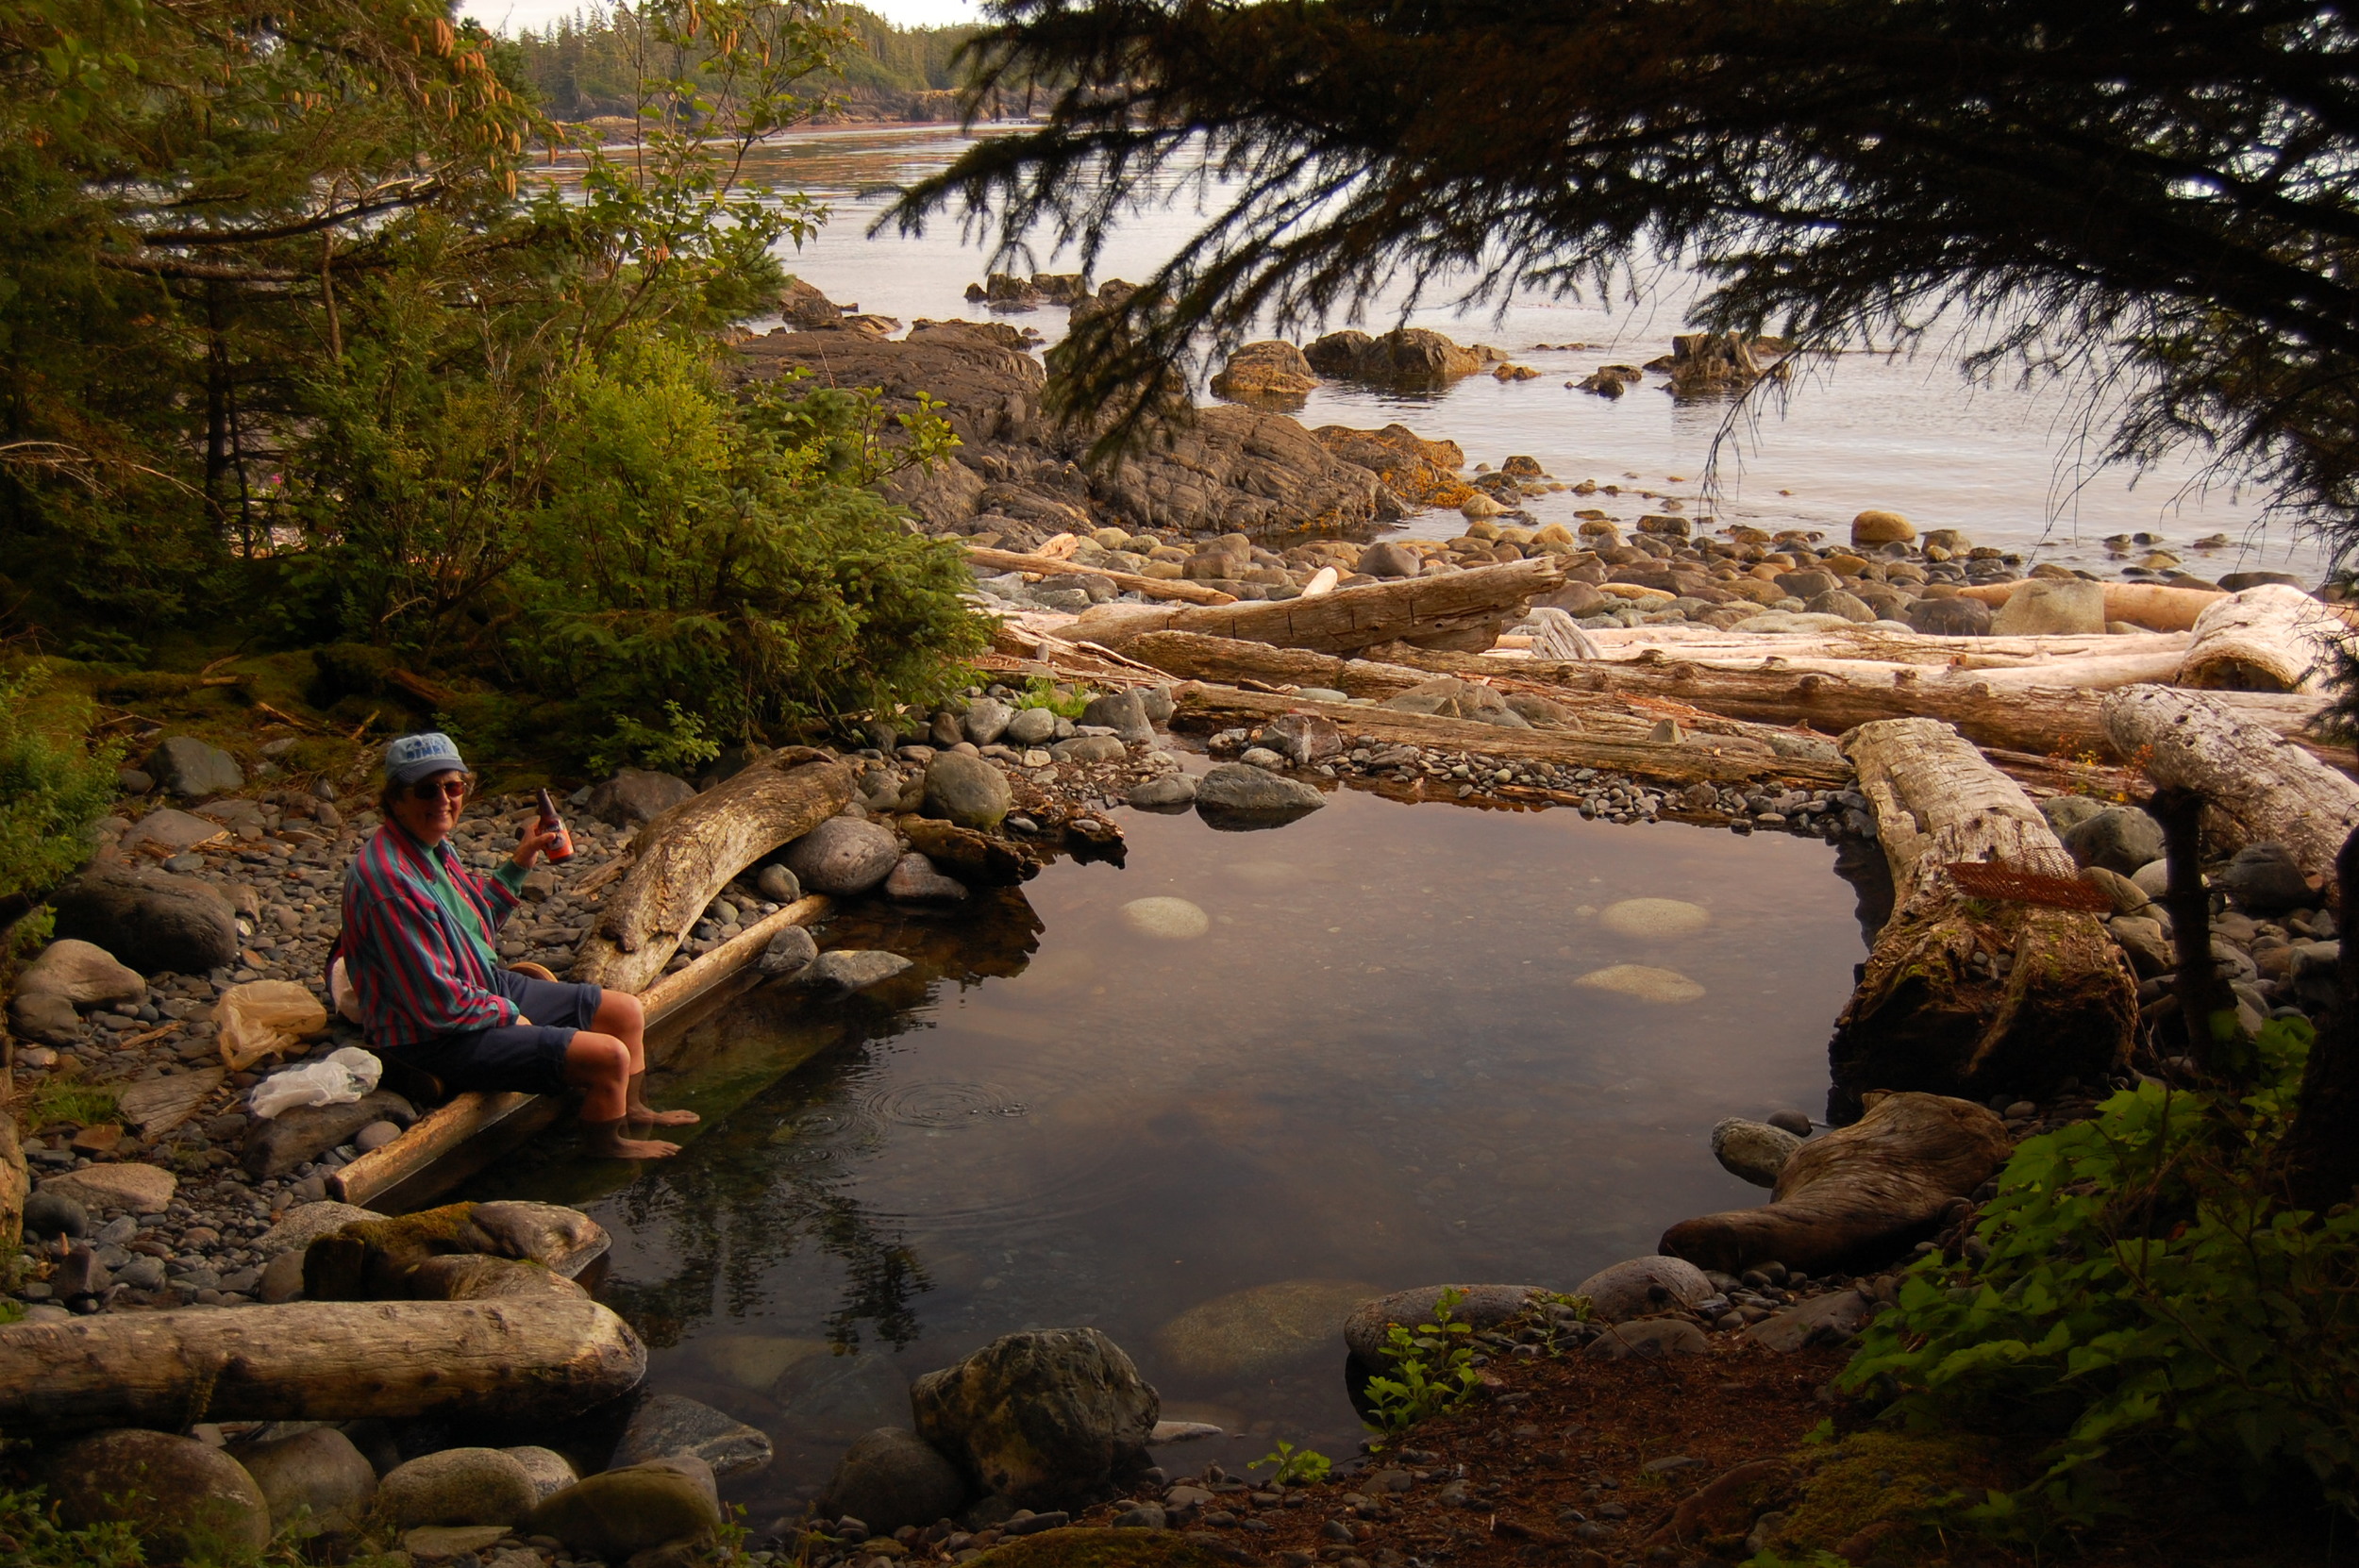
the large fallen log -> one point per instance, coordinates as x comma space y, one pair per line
473, 1117
2141, 603
1154, 588
2065, 721
1863, 1190
679, 862
2267, 639
1963, 995
526, 1357
1734, 758
1870, 642
2265, 789
1457, 609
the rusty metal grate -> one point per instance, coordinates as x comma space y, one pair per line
2014, 885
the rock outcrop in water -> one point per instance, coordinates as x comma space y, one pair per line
1019, 475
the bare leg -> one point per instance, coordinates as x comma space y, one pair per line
620, 1015
599, 1064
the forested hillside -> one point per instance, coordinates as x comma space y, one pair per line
584, 67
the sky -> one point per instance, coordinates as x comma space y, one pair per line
509, 16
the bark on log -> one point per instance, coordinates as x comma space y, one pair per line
1925, 1015
2268, 790
682, 859
2149, 604
2041, 719
533, 1358
1470, 608
1722, 760
1154, 588
1881, 1184
2269, 639
474, 1115
1892, 647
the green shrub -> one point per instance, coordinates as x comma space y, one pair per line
2146, 1298
51, 789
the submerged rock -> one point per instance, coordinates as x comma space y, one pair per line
1654, 917
667, 1424
1234, 790
1642, 981
1251, 1332
1170, 919
890, 1478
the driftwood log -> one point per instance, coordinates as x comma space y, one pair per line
15, 1187
680, 861
2154, 606
1620, 743
2267, 639
1877, 643
1881, 1184
1934, 1010
1466, 610
1154, 588
546, 1357
2263, 787
475, 1115
2059, 721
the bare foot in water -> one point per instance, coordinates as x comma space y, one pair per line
649, 1113
607, 1142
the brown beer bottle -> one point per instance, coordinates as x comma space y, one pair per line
563, 849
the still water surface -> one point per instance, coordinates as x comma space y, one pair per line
2011, 467
1371, 1071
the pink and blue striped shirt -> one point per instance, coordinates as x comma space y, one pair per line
417, 973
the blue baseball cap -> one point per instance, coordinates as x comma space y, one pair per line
415, 757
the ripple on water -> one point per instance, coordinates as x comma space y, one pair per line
940, 1104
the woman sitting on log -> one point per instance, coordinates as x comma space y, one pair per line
417, 947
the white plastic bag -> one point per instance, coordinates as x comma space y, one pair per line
339, 1077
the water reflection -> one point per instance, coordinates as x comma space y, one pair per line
1371, 1069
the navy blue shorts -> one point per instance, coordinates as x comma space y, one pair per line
527, 1057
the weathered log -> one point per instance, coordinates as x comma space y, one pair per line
1154, 588
2267, 639
2265, 789
1926, 1015
534, 1359
472, 1116
1873, 642
682, 859
1720, 758
2042, 720
1229, 662
2154, 606
1872, 1188
1467, 608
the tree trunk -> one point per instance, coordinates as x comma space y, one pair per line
2269, 639
528, 1359
1454, 608
1926, 1015
1874, 1186
2201, 994
474, 1116
15, 1185
2057, 720
2149, 604
2268, 790
2321, 1152
683, 857
1620, 743
1154, 588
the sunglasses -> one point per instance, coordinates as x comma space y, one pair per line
450, 788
